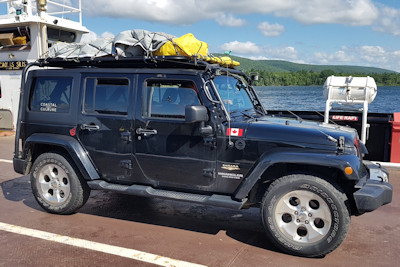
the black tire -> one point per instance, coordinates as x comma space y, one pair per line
305, 215
57, 185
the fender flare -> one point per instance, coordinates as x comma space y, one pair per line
73, 148
299, 157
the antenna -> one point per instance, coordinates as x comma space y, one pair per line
230, 143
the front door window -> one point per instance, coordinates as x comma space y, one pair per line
168, 99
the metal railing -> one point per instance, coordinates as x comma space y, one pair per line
40, 7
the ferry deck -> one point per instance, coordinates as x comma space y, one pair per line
132, 231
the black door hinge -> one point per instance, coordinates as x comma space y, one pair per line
340, 145
210, 173
126, 164
126, 136
210, 141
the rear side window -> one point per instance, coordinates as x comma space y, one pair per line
51, 94
106, 96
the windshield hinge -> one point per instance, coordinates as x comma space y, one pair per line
341, 144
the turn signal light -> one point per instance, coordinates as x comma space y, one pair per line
348, 170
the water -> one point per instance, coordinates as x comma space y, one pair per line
310, 98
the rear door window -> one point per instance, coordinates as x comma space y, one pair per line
106, 96
51, 94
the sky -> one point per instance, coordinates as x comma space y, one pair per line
334, 32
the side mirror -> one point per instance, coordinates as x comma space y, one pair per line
196, 114
254, 76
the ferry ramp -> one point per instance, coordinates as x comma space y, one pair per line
132, 231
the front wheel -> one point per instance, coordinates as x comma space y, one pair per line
305, 215
57, 185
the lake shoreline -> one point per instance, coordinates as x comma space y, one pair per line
311, 98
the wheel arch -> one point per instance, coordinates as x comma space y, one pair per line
37, 144
272, 167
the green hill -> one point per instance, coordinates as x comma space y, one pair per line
286, 66
279, 72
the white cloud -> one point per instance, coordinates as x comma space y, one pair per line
258, 57
91, 36
107, 35
242, 48
349, 12
338, 57
253, 51
371, 56
388, 21
230, 21
345, 12
88, 37
271, 30
283, 53
162, 11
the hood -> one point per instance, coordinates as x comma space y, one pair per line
300, 132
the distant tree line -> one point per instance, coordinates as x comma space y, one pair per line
305, 78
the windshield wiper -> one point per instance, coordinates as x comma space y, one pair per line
243, 113
255, 110
294, 114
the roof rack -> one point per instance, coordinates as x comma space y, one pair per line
128, 62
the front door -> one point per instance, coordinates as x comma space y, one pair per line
105, 124
170, 151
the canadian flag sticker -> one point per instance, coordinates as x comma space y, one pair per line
234, 132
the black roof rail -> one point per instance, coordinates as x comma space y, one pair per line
127, 62
137, 62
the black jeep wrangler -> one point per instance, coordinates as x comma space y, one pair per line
183, 129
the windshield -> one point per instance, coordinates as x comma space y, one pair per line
233, 93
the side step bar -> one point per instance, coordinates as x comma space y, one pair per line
148, 191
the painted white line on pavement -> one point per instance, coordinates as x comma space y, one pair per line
6, 161
109, 249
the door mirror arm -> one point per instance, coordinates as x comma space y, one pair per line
205, 130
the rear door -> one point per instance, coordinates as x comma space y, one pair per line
105, 123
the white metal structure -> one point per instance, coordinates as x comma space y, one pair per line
349, 91
27, 30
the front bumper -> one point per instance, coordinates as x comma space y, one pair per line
374, 190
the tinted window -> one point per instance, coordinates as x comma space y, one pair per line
51, 94
106, 96
168, 99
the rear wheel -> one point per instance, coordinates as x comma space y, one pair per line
56, 184
305, 215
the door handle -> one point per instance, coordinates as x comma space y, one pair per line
90, 127
145, 132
